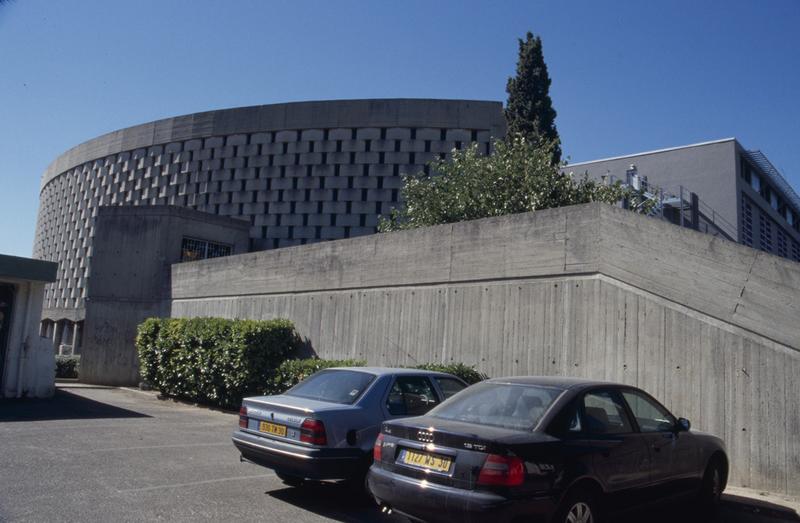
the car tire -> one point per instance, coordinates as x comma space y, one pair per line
288, 479
712, 487
579, 506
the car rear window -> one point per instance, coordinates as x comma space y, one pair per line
507, 405
450, 386
334, 386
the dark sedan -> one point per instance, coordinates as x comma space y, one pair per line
543, 449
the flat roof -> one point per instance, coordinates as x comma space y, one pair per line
668, 149
27, 269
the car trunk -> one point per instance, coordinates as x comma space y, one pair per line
461, 447
282, 417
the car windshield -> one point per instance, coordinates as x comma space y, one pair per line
507, 405
334, 386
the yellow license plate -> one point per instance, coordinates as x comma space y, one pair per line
272, 428
426, 461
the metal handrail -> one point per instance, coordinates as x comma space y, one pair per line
704, 210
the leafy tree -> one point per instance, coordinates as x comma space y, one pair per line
529, 110
518, 176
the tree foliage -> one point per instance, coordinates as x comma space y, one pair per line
529, 110
518, 176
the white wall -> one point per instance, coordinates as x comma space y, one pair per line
28, 355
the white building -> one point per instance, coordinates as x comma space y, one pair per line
27, 364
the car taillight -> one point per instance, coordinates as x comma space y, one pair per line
243, 417
502, 470
376, 449
313, 431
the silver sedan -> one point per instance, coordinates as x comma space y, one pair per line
324, 427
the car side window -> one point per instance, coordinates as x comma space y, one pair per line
411, 396
650, 416
449, 386
604, 413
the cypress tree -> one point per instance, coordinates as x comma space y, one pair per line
529, 110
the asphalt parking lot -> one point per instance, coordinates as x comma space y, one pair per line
105, 454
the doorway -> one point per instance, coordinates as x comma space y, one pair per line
6, 304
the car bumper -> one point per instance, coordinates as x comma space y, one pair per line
435, 503
298, 460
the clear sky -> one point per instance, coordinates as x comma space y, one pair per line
628, 76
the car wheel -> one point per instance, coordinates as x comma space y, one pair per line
292, 481
578, 507
713, 485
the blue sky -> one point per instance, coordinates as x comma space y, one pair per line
628, 76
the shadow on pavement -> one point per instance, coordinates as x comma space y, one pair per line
333, 501
338, 503
733, 509
763, 509
62, 406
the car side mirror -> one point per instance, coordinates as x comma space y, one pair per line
684, 425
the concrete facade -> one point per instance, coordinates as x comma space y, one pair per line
129, 279
298, 173
706, 325
27, 366
740, 190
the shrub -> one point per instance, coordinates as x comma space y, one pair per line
67, 366
465, 372
291, 372
213, 360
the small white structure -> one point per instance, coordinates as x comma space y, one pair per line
27, 363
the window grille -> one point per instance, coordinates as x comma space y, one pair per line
796, 251
783, 247
765, 229
193, 249
747, 222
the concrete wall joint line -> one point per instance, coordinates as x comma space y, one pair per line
746, 280
450, 263
444, 284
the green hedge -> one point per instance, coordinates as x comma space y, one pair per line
218, 362
465, 372
213, 360
67, 366
291, 372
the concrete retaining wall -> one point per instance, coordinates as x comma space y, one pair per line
706, 325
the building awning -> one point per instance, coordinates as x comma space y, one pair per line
17, 268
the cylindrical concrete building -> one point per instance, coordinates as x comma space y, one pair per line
296, 173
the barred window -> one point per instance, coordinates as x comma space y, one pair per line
796, 251
765, 229
747, 222
193, 249
783, 247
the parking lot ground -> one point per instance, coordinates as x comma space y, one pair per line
109, 454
